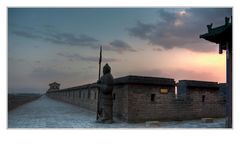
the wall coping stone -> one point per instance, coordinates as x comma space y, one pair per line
199, 84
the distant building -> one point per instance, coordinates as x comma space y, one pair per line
139, 98
53, 87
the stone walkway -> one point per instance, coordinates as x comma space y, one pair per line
49, 113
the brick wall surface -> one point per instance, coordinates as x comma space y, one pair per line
134, 102
120, 101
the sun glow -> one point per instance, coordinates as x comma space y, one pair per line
178, 61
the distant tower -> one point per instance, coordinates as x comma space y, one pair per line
53, 86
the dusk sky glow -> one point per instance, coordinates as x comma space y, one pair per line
62, 45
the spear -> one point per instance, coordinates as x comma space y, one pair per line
99, 73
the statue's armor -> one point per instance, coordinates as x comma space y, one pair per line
106, 88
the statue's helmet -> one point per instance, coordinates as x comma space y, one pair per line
106, 69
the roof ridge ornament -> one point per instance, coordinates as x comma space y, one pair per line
209, 27
227, 21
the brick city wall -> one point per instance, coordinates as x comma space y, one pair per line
86, 96
143, 107
83, 96
120, 101
141, 99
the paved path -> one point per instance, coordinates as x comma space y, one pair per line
49, 113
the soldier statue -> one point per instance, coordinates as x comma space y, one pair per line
105, 85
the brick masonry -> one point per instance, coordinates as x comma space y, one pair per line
137, 99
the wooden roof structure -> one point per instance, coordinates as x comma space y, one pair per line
221, 35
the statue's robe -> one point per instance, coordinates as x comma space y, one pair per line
106, 100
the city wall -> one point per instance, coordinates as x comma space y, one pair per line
137, 98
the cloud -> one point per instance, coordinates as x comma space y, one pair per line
50, 34
27, 34
158, 49
121, 45
118, 46
142, 30
72, 40
47, 73
77, 57
180, 28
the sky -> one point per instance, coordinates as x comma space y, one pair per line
62, 45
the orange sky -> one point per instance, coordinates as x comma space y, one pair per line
176, 63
